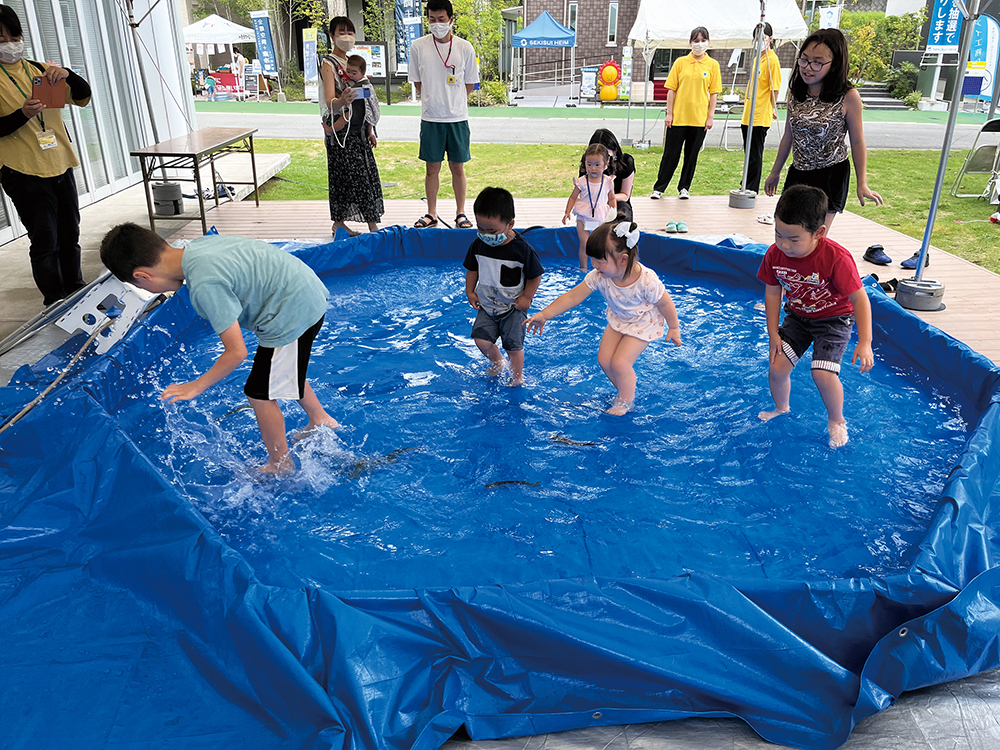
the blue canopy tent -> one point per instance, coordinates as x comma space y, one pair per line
545, 31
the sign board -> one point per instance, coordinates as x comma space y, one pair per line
310, 65
625, 87
265, 45
251, 86
829, 17
588, 82
375, 54
945, 27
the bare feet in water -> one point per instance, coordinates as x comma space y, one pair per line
619, 408
767, 416
495, 368
282, 466
838, 433
516, 380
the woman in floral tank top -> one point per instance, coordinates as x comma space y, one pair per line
823, 108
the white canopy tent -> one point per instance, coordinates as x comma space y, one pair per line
667, 24
217, 30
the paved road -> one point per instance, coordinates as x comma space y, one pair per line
578, 130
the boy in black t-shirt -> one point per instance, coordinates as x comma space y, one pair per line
501, 277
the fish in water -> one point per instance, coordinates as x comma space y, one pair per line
367, 464
557, 438
234, 411
512, 481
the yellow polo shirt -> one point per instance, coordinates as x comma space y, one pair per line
693, 82
768, 81
20, 150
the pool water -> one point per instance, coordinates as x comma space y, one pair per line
442, 476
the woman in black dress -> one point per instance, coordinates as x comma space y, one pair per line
355, 187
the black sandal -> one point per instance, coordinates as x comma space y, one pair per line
462, 222
425, 221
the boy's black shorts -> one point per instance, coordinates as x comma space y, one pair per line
829, 337
509, 328
280, 372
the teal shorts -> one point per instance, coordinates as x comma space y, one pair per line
438, 137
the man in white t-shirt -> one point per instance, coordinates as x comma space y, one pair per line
444, 70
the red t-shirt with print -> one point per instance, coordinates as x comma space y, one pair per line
818, 285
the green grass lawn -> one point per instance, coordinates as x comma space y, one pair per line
905, 179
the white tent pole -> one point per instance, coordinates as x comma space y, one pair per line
758, 42
645, 82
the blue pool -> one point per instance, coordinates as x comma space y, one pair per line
510, 559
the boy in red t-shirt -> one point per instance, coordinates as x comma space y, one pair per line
823, 297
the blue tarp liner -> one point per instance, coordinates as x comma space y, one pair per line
127, 622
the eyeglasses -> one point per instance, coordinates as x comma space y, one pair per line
814, 65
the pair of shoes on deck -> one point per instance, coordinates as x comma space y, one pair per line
676, 227
426, 221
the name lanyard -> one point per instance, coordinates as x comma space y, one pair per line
447, 57
593, 203
26, 97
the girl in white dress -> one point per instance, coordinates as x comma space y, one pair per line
593, 197
639, 307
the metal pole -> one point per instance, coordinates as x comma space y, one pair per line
956, 97
757, 44
645, 82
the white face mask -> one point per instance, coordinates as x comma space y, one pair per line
11, 52
344, 43
699, 48
440, 30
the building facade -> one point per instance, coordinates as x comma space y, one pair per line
128, 110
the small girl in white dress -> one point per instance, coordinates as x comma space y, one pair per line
639, 308
593, 197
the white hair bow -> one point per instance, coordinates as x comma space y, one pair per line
631, 238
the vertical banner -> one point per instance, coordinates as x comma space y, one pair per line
983, 55
409, 26
625, 87
310, 65
265, 45
946, 22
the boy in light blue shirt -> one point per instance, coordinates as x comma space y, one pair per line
235, 283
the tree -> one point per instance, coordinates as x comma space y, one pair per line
873, 37
480, 22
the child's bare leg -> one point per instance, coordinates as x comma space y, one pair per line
606, 353
779, 379
832, 391
583, 234
271, 422
372, 226
492, 352
617, 359
516, 367
315, 411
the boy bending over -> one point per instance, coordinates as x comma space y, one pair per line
823, 296
236, 282
502, 274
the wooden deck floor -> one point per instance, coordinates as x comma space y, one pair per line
972, 294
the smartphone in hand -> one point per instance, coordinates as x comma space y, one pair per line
52, 96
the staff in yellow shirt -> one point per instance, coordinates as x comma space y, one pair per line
693, 85
768, 85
